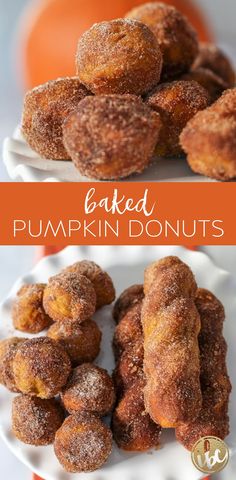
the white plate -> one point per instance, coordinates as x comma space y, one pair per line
24, 164
126, 266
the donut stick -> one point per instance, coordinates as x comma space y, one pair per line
171, 325
213, 417
132, 426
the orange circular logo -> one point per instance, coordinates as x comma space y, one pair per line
210, 454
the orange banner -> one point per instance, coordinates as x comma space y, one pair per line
118, 214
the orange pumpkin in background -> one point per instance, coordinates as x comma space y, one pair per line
50, 30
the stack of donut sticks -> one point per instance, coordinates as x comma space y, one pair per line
170, 364
144, 87
171, 360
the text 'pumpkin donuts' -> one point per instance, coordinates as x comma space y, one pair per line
45, 109
120, 56
175, 36
112, 136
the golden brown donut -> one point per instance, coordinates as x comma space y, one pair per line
111, 136
129, 368
209, 139
45, 109
128, 298
28, 314
132, 427
80, 340
128, 331
171, 325
8, 348
41, 367
211, 57
176, 102
83, 443
100, 279
69, 296
213, 84
120, 56
213, 418
35, 421
89, 389
176, 37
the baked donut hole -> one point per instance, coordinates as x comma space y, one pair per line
118, 57
44, 111
100, 279
35, 421
111, 136
80, 340
175, 36
209, 139
176, 102
89, 389
8, 349
41, 367
28, 314
213, 58
69, 296
213, 84
83, 443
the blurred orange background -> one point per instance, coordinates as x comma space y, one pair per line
50, 30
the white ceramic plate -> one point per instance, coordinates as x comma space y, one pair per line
126, 266
24, 164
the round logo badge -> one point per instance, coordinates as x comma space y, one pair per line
210, 454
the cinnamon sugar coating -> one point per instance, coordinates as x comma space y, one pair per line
111, 136
129, 367
176, 37
120, 56
80, 340
89, 389
209, 139
45, 109
133, 428
83, 443
41, 367
128, 331
69, 296
8, 349
102, 282
171, 325
213, 84
35, 421
213, 417
176, 103
128, 298
211, 57
28, 314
